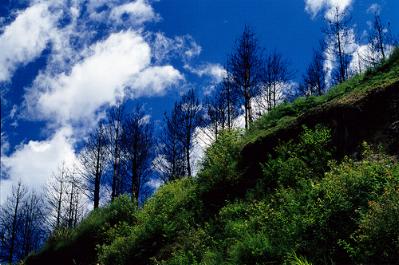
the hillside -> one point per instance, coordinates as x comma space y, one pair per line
315, 181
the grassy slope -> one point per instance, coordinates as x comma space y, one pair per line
296, 206
345, 93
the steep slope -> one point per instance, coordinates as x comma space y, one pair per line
371, 116
284, 193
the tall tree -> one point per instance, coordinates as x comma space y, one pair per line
55, 195
380, 41
73, 207
114, 134
228, 99
93, 159
274, 81
10, 221
221, 109
338, 38
245, 65
33, 230
314, 80
170, 161
22, 224
189, 115
138, 144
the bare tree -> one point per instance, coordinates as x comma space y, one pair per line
170, 160
33, 230
10, 221
214, 118
22, 222
228, 99
114, 134
245, 66
73, 210
380, 40
93, 159
138, 143
314, 80
55, 194
338, 38
274, 81
189, 115
221, 109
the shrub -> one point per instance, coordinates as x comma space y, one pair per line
219, 176
69, 246
377, 239
308, 158
165, 218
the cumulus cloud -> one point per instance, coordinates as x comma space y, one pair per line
154, 80
136, 12
96, 80
25, 38
34, 162
122, 60
314, 7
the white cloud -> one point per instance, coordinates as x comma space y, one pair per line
34, 162
154, 80
121, 60
215, 71
313, 7
98, 79
25, 38
165, 48
137, 12
194, 50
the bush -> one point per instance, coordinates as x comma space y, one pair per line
165, 218
377, 239
219, 177
341, 199
308, 158
69, 246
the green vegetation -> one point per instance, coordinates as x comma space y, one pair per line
66, 246
347, 92
307, 206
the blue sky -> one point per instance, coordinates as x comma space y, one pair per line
62, 62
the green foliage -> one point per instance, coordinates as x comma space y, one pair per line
295, 260
59, 235
219, 175
317, 218
93, 230
167, 216
293, 162
220, 162
377, 238
286, 113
